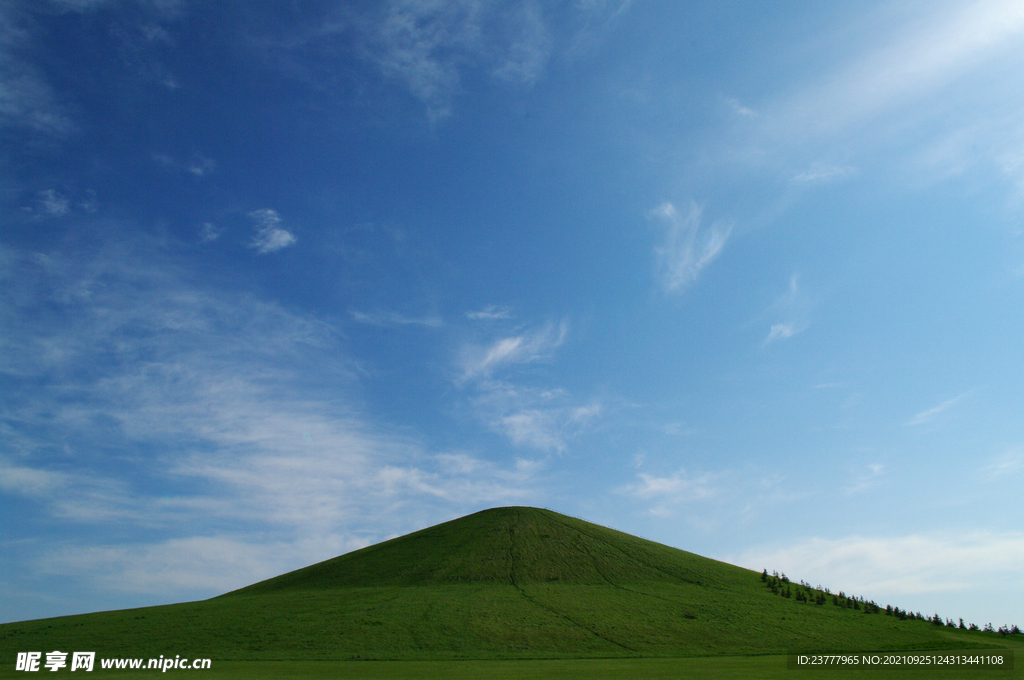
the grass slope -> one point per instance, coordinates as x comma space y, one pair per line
502, 583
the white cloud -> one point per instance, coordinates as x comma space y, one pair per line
918, 61
688, 247
792, 309
929, 414
539, 345
707, 499
1007, 464
26, 481
741, 110
79, 5
198, 165
490, 312
823, 172
53, 203
432, 45
680, 487
270, 237
27, 100
201, 166
542, 419
899, 565
199, 564
780, 331
209, 232
868, 478
529, 46
536, 428
906, 81
547, 419
392, 319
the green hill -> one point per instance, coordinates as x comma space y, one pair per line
502, 583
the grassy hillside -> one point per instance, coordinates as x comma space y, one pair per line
503, 583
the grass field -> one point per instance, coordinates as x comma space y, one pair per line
510, 592
768, 667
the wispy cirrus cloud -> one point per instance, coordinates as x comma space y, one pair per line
543, 419
490, 313
209, 232
869, 477
27, 100
53, 203
480, 361
270, 237
930, 414
910, 65
194, 419
824, 172
790, 311
680, 486
432, 46
390, 319
427, 45
902, 69
891, 566
707, 498
196, 566
197, 165
688, 246
740, 110
1009, 463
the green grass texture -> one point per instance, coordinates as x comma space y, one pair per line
506, 584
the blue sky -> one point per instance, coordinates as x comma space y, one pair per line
284, 279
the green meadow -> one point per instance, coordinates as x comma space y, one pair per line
509, 592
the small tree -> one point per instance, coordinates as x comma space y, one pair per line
764, 575
962, 626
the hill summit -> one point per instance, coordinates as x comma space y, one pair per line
511, 546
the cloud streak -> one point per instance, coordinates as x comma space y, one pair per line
930, 414
528, 347
917, 63
394, 319
792, 309
490, 313
707, 499
433, 46
687, 248
270, 237
542, 418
